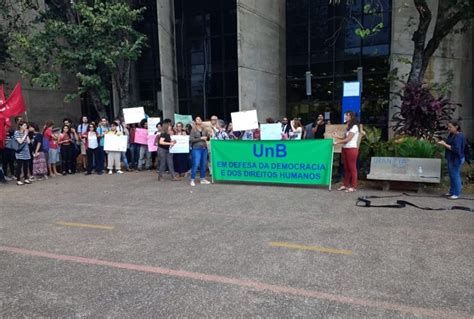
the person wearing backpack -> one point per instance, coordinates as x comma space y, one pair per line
22, 152
454, 145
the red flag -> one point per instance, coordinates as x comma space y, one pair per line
15, 104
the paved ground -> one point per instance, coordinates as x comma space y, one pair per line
130, 246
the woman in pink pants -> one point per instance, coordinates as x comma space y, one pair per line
349, 152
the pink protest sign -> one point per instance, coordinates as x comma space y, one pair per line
141, 136
151, 143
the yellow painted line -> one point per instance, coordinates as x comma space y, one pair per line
313, 248
84, 225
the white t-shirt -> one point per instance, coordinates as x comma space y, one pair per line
92, 140
353, 142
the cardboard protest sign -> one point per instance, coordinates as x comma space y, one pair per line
246, 120
133, 114
151, 143
270, 132
182, 144
152, 122
185, 119
115, 143
340, 130
141, 136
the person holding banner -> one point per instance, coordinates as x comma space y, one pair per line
296, 129
166, 158
145, 155
198, 140
181, 160
349, 152
113, 157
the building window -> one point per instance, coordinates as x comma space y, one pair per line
206, 44
335, 52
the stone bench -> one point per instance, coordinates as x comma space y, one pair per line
403, 169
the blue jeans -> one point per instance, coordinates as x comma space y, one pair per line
123, 158
454, 170
99, 159
199, 159
134, 154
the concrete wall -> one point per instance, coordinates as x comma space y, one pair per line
44, 104
261, 36
168, 66
454, 55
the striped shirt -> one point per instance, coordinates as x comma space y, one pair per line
24, 154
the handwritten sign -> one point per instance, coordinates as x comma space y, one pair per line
270, 132
151, 143
182, 144
115, 143
340, 130
246, 120
133, 115
141, 136
185, 119
152, 122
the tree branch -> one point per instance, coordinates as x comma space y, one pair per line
442, 29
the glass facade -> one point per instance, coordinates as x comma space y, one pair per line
321, 38
206, 54
147, 68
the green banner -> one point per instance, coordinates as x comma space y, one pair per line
307, 162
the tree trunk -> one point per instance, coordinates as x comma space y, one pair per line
418, 69
122, 83
98, 105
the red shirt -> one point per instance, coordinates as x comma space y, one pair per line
48, 133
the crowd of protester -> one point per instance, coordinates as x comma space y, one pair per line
30, 153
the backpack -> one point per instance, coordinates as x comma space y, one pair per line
45, 144
16, 146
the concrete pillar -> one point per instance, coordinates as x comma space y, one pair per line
168, 66
261, 36
454, 55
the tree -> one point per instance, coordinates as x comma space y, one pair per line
450, 14
93, 40
12, 18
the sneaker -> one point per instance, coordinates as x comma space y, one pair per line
176, 179
453, 197
447, 194
110, 172
192, 183
27, 181
8, 178
205, 181
119, 172
19, 183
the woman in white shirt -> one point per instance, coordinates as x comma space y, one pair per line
349, 152
296, 129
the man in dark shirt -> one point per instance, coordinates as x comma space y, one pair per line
320, 127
